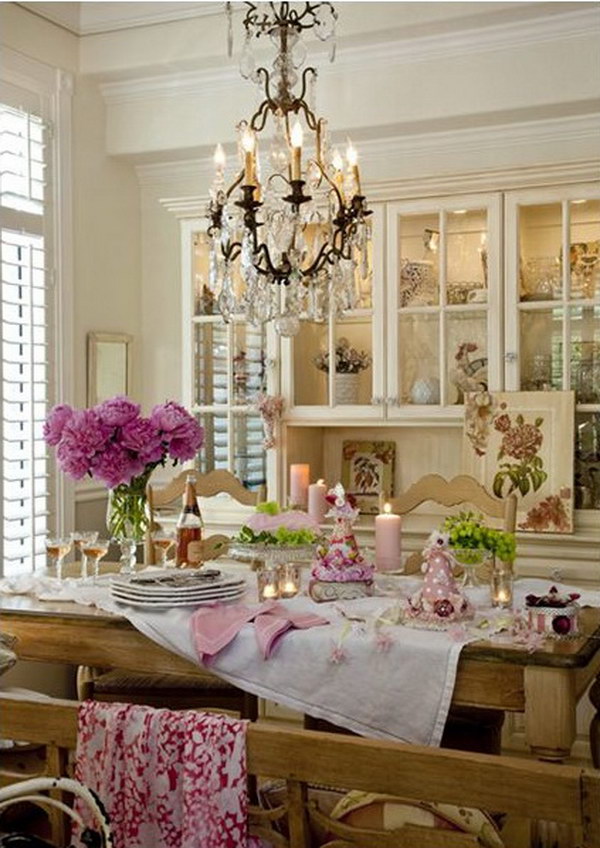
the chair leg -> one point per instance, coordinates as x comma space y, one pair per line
595, 723
56, 760
250, 707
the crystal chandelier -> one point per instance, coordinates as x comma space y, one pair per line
289, 236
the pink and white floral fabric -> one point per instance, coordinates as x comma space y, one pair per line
167, 779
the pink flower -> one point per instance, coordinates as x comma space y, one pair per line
141, 436
178, 429
337, 655
54, 424
82, 437
115, 465
117, 411
383, 642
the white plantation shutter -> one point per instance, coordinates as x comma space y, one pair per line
26, 310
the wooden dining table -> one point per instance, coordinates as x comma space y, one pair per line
545, 685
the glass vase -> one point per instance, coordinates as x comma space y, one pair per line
127, 520
473, 561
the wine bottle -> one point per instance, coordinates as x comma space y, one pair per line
189, 524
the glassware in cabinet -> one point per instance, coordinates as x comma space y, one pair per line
443, 302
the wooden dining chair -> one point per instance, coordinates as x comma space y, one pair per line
207, 486
169, 690
467, 727
563, 799
457, 491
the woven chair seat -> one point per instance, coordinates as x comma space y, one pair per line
113, 682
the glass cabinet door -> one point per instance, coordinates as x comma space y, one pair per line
443, 303
338, 362
229, 368
553, 311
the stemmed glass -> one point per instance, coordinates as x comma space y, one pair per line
57, 547
163, 541
94, 551
80, 539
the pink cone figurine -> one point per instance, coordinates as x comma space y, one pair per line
440, 600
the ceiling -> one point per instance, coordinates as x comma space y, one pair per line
89, 18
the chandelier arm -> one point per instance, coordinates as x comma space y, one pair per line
323, 256
235, 184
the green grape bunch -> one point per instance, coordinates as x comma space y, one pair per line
468, 531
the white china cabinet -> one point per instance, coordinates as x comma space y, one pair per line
553, 310
354, 341
443, 303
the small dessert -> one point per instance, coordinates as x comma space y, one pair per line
270, 525
340, 572
554, 614
441, 601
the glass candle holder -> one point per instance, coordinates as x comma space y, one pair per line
289, 580
501, 585
267, 579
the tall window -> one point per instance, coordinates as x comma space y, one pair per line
26, 310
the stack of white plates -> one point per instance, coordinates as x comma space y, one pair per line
167, 589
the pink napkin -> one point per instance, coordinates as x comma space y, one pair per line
213, 628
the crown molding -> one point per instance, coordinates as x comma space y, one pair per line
383, 55
501, 179
396, 151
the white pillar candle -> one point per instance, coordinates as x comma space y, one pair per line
317, 505
387, 540
299, 477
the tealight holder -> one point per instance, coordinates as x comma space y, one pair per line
289, 580
267, 579
501, 585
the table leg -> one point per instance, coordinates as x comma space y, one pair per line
595, 723
550, 704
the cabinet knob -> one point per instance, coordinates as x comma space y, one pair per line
511, 356
392, 401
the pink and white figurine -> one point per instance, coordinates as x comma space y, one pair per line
340, 572
440, 601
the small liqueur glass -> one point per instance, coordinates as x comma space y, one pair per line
80, 539
163, 541
289, 580
94, 552
57, 547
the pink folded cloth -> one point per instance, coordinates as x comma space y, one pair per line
213, 628
167, 779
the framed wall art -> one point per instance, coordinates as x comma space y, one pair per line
109, 366
522, 442
367, 469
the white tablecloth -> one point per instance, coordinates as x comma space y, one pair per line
396, 688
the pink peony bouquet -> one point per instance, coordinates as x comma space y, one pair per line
113, 443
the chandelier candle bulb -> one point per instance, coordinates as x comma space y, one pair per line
297, 151
317, 504
387, 540
220, 160
248, 144
299, 477
352, 157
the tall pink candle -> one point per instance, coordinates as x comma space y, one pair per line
299, 476
387, 540
317, 505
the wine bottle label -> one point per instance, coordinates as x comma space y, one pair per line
195, 552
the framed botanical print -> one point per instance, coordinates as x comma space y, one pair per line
367, 470
522, 442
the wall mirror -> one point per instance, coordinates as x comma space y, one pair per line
109, 366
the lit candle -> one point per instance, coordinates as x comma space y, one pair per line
338, 167
299, 477
220, 160
352, 157
269, 591
501, 585
296, 140
267, 579
317, 505
289, 580
248, 144
387, 540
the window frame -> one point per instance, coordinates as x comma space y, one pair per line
52, 89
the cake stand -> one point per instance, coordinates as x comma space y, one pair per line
271, 555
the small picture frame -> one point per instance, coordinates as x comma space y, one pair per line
108, 366
368, 468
